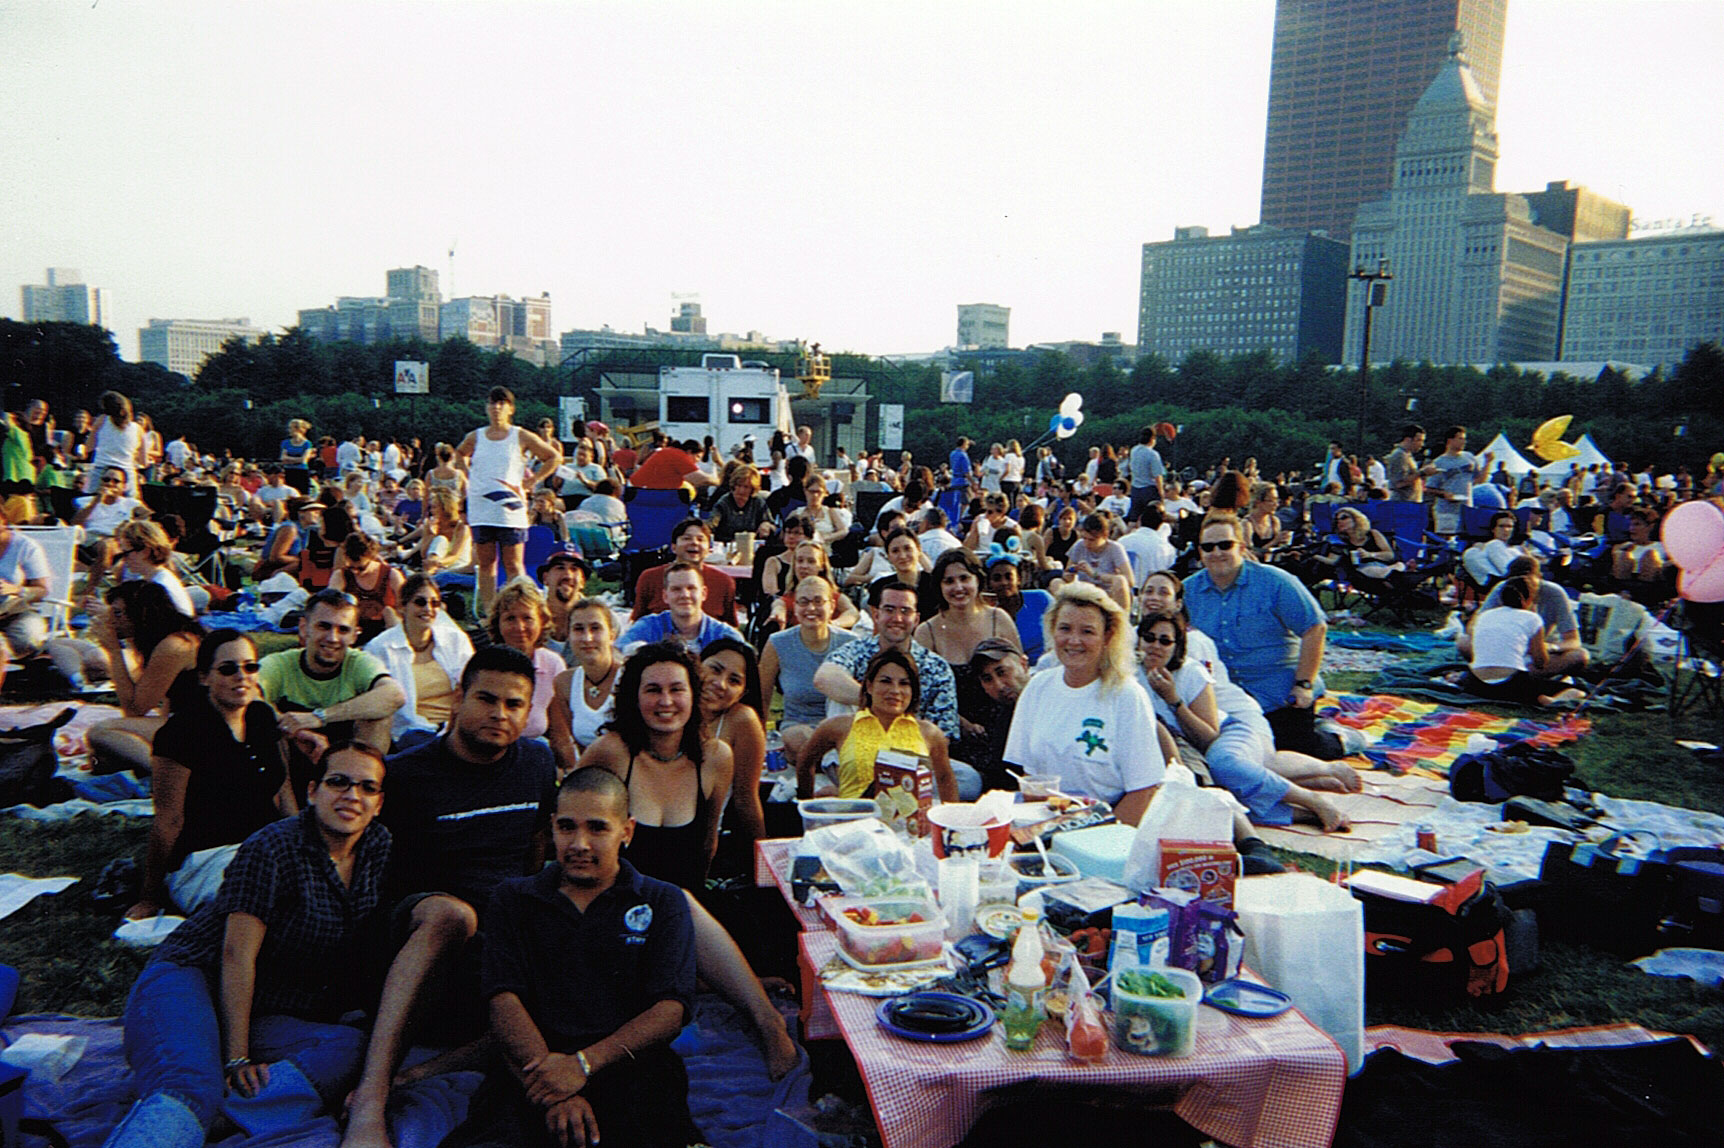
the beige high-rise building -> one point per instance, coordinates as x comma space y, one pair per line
1476, 280
65, 298
182, 345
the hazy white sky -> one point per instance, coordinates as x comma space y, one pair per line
845, 172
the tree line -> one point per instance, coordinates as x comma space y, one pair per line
1239, 406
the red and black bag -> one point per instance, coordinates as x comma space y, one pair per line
1425, 952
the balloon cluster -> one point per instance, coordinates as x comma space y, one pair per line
1693, 536
1068, 418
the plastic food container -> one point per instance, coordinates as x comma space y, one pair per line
890, 931
1036, 786
818, 812
997, 884
1032, 874
1157, 1026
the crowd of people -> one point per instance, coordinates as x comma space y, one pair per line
566, 772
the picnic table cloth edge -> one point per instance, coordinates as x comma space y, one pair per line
1251, 1083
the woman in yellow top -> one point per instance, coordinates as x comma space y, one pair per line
891, 692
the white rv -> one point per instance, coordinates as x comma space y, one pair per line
724, 399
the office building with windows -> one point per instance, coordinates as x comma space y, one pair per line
1256, 289
1647, 300
1344, 76
65, 298
182, 345
983, 325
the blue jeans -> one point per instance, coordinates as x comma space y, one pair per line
173, 1042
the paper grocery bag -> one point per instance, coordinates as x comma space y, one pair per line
1179, 811
1306, 937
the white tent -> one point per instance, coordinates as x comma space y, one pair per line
1589, 455
1502, 451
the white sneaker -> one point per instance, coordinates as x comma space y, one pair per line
1352, 740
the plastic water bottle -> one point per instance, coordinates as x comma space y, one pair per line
1026, 980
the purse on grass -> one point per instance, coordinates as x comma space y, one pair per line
28, 763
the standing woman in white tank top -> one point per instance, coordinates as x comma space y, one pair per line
498, 484
116, 441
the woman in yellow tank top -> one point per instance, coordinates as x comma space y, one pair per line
891, 692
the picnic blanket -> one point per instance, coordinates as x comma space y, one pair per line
1430, 679
1414, 743
730, 1095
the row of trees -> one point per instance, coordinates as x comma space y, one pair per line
1283, 414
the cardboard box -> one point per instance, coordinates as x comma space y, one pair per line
904, 790
1202, 867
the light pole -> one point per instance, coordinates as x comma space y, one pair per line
1376, 290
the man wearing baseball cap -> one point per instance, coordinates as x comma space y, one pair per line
1002, 672
563, 574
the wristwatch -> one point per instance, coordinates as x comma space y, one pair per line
1298, 684
323, 720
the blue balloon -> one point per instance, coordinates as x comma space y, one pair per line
1054, 423
1068, 423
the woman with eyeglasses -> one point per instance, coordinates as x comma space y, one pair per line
1237, 743
146, 554
249, 993
425, 653
218, 775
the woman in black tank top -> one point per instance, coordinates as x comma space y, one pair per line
678, 782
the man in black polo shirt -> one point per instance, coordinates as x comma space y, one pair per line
580, 1064
466, 812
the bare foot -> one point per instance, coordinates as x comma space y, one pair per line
1349, 777
781, 1054
365, 1125
1321, 808
1323, 783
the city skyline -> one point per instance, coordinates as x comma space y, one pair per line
810, 170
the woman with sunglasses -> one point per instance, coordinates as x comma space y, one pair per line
425, 652
218, 775
1237, 742
247, 995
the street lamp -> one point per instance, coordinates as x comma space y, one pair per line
1376, 290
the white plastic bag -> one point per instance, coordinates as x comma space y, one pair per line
1306, 937
1179, 811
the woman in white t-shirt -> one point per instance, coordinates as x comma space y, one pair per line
1013, 480
1508, 644
1088, 720
116, 442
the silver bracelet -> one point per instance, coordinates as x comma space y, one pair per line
236, 1064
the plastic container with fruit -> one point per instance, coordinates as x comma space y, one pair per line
880, 931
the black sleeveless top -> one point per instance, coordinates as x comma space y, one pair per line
674, 853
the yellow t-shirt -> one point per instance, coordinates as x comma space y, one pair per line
866, 739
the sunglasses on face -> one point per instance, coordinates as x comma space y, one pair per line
234, 669
1160, 640
1224, 544
422, 600
113, 482
341, 783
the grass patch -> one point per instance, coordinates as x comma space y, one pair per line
63, 945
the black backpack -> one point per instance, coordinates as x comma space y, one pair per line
28, 763
1518, 770
1426, 953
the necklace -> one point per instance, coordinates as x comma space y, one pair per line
594, 688
660, 758
420, 649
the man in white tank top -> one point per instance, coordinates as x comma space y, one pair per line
498, 484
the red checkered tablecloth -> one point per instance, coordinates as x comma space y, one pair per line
1272, 1083
772, 858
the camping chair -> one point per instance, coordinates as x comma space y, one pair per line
60, 545
540, 542
652, 514
1699, 657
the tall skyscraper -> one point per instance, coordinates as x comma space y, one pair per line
1344, 75
984, 325
1476, 280
65, 298
182, 345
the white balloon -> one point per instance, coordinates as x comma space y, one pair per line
1072, 404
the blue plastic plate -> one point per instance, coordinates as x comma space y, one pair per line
982, 1017
1247, 998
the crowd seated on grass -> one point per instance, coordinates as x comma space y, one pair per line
483, 688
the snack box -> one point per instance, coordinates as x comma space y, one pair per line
875, 931
1083, 904
904, 790
1205, 868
